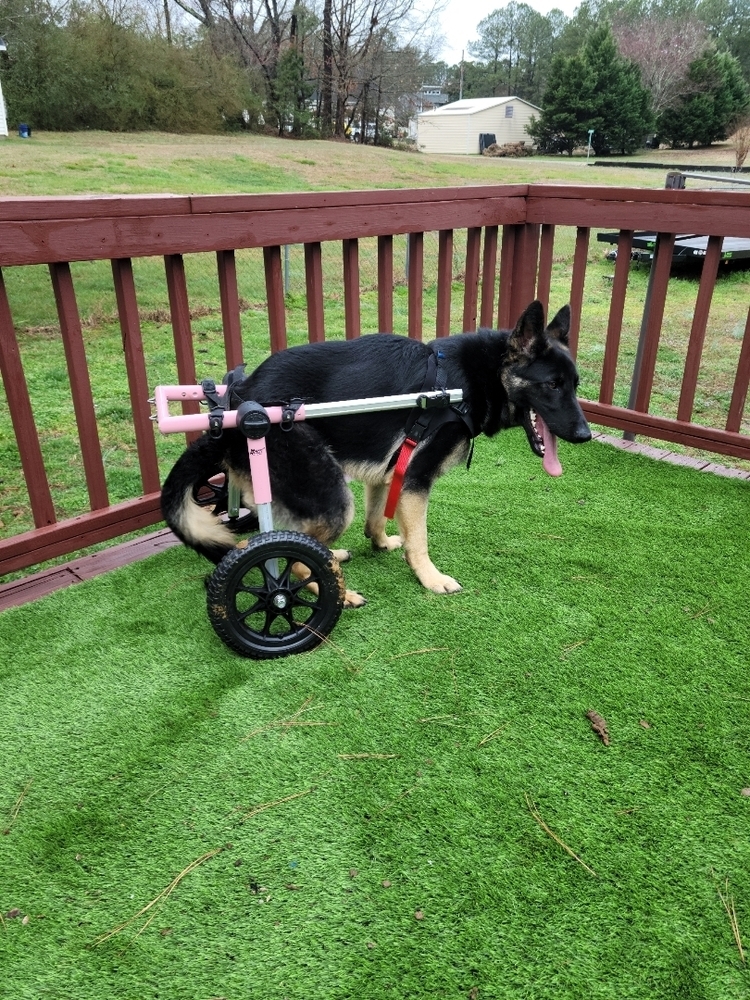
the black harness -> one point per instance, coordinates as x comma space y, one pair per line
425, 420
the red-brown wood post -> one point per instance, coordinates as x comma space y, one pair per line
616, 308
698, 330
545, 265
507, 253
275, 298
80, 384
580, 257
352, 318
416, 284
182, 334
444, 283
316, 328
230, 308
135, 363
22, 418
741, 382
385, 284
489, 268
653, 314
523, 277
471, 278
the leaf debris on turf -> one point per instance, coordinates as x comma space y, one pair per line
538, 819
19, 802
728, 903
269, 805
161, 898
367, 756
599, 725
491, 736
290, 722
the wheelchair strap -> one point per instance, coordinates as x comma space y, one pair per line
425, 420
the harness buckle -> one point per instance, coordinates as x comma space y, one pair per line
433, 401
216, 408
288, 413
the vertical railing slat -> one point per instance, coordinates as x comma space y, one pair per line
385, 284
471, 278
489, 269
22, 417
226, 265
80, 384
352, 317
698, 329
616, 308
523, 275
444, 283
182, 334
415, 284
135, 364
507, 252
275, 298
544, 279
741, 382
316, 327
652, 321
576, 287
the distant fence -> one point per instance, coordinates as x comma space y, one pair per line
506, 257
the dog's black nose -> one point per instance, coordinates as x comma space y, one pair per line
581, 434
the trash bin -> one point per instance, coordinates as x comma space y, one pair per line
24, 131
486, 139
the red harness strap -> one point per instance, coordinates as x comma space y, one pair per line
398, 476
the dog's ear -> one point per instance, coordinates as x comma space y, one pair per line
559, 327
529, 330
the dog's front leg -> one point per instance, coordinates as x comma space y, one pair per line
411, 515
375, 522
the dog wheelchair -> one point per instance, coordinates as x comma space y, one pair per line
279, 593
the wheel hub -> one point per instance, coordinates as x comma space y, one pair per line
280, 601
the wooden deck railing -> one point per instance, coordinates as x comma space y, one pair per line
508, 260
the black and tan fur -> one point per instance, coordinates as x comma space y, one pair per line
504, 375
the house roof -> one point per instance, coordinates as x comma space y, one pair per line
473, 105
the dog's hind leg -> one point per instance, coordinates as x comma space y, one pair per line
411, 515
311, 495
376, 495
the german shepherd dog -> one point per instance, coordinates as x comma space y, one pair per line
510, 378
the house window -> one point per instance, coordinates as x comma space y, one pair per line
508, 110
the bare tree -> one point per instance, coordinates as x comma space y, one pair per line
663, 49
740, 140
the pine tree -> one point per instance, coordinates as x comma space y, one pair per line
597, 90
566, 114
620, 109
717, 97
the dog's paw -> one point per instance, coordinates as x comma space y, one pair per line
341, 555
354, 600
388, 543
442, 584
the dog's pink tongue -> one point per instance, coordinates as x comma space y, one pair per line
550, 462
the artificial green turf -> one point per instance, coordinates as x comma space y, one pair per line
621, 587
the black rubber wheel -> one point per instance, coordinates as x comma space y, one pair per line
213, 492
264, 615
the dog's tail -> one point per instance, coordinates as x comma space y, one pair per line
196, 525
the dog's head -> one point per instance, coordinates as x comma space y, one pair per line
540, 378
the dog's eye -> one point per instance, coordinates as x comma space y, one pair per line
553, 384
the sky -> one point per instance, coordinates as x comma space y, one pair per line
461, 17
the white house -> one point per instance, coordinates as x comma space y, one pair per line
456, 127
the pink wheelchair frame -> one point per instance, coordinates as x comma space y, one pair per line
281, 592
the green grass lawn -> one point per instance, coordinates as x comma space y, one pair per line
368, 801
